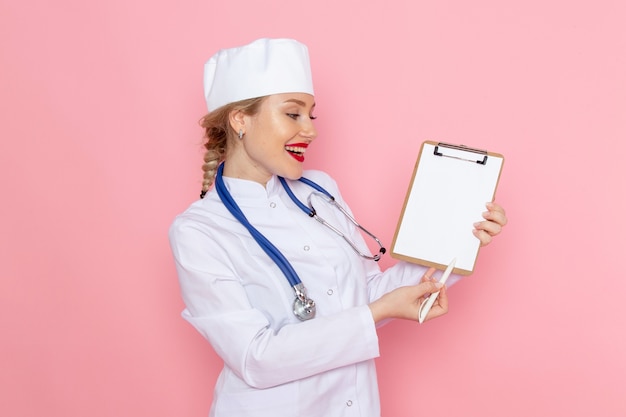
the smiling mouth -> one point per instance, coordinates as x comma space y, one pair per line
297, 151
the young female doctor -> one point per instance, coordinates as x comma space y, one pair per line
289, 303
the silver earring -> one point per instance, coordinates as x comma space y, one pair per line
240, 135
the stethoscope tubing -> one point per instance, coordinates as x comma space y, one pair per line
303, 307
267, 246
310, 210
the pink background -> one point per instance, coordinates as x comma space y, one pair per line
100, 148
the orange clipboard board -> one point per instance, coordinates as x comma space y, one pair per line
448, 191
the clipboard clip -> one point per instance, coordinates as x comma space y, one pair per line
464, 149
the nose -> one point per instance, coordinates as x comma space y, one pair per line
308, 129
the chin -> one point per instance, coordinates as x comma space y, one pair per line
292, 174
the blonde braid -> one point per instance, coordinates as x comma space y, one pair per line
212, 159
218, 133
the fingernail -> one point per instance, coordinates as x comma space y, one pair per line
438, 285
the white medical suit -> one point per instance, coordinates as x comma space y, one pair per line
274, 364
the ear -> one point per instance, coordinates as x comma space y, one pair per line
237, 120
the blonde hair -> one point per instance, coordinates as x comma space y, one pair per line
218, 133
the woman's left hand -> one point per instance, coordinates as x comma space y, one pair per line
495, 220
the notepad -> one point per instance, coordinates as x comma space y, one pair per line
446, 196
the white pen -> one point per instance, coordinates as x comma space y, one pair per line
428, 303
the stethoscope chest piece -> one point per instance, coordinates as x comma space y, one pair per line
304, 310
303, 307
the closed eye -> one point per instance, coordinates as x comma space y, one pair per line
295, 116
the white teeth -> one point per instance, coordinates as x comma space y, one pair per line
295, 149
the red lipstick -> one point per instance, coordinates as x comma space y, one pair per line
296, 150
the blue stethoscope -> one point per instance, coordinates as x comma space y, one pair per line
303, 307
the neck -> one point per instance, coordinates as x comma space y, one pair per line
234, 167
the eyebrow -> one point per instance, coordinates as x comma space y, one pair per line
299, 102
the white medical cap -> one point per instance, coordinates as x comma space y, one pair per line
261, 68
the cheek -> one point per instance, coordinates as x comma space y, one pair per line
265, 129
280, 125
272, 130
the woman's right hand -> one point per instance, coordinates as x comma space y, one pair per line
404, 302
